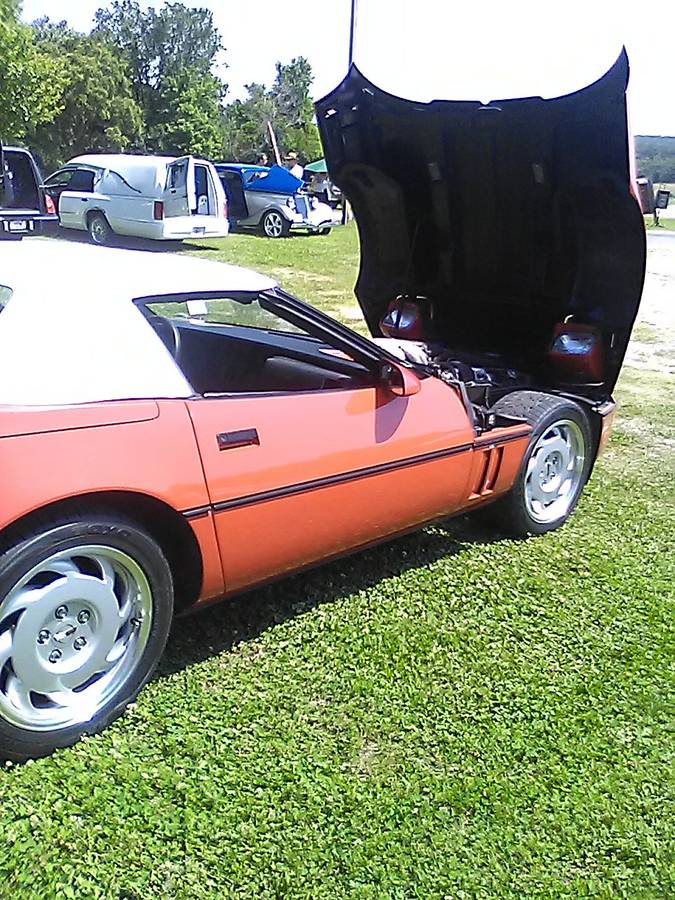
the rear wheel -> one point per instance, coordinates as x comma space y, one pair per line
274, 225
555, 466
85, 609
99, 230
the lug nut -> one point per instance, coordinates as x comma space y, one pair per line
83, 616
55, 656
79, 643
61, 612
43, 636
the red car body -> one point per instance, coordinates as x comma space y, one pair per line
173, 431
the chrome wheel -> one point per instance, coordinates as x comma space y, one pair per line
72, 631
555, 469
98, 229
273, 224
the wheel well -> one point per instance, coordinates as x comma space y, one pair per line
162, 522
95, 212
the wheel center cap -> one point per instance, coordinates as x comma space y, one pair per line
31, 659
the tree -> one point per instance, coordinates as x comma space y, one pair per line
294, 111
245, 125
171, 55
30, 81
287, 105
99, 113
189, 117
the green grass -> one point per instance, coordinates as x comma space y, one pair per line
310, 267
668, 224
450, 715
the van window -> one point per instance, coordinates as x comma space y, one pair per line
5, 294
82, 180
177, 176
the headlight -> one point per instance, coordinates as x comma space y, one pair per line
290, 202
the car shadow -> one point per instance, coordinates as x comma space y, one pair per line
244, 617
133, 243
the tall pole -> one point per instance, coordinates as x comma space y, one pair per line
352, 27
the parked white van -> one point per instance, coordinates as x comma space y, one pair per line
159, 197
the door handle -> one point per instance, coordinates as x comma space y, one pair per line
228, 440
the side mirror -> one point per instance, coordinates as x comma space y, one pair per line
399, 380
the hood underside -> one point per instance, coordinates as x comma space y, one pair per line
509, 216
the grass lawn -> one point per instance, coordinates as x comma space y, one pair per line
449, 715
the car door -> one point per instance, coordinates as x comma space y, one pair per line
300, 477
75, 198
57, 183
180, 194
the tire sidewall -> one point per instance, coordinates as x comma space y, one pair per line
519, 510
284, 225
20, 744
99, 217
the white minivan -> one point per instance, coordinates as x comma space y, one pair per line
159, 197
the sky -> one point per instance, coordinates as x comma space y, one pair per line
426, 49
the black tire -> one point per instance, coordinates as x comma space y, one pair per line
274, 224
324, 231
516, 513
99, 229
29, 550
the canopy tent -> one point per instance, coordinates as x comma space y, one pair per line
318, 167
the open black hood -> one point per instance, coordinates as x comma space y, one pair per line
509, 216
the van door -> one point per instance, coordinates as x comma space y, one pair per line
180, 197
79, 197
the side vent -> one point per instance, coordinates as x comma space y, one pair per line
487, 471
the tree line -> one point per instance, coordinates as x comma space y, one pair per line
143, 80
656, 157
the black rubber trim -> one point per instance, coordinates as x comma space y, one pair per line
197, 512
330, 480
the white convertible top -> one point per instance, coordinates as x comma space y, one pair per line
70, 332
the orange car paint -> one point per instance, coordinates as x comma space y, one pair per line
331, 471
136, 445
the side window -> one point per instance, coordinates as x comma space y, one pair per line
177, 175
241, 344
82, 180
60, 179
5, 294
226, 311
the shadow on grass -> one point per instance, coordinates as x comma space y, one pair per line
246, 616
134, 243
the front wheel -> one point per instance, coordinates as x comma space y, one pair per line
274, 225
85, 609
554, 468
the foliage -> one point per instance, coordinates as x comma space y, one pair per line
98, 111
246, 134
447, 715
188, 117
30, 81
287, 105
656, 157
171, 54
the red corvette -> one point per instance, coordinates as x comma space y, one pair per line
175, 430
